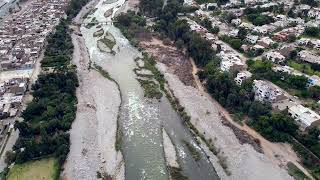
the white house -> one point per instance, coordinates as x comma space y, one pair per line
236, 22
230, 62
241, 76
275, 56
315, 43
233, 33
305, 117
260, 29
266, 91
314, 13
252, 39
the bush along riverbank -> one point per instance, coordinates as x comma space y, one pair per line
276, 127
48, 118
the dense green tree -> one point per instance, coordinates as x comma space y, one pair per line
313, 3
258, 109
312, 31
277, 127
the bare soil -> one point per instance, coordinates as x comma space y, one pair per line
168, 54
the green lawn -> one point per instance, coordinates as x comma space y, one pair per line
303, 67
44, 169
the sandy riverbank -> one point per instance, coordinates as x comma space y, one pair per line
169, 150
93, 133
242, 160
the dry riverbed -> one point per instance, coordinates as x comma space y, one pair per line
93, 153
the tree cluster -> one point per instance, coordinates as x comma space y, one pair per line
312, 31
59, 49
48, 118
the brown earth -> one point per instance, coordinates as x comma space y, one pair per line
168, 54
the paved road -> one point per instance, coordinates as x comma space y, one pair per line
12, 140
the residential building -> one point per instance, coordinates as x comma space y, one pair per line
233, 33
308, 56
11, 94
236, 22
286, 50
265, 42
280, 37
252, 39
275, 57
230, 62
266, 91
305, 117
241, 76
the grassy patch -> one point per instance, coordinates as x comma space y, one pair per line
151, 89
102, 71
108, 40
194, 152
149, 63
303, 67
90, 13
98, 33
44, 169
296, 173
93, 22
176, 173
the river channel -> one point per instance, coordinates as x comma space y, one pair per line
141, 119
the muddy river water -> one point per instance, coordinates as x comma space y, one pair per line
141, 119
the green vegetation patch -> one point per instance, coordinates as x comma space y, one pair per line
313, 32
194, 152
102, 71
44, 169
151, 89
296, 172
303, 67
235, 43
98, 33
59, 49
176, 173
90, 13
48, 118
150, 64
93, 22
108, 40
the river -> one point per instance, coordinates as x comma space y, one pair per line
142, 119
5, 5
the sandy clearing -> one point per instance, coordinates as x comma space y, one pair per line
242, 160
169, 150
